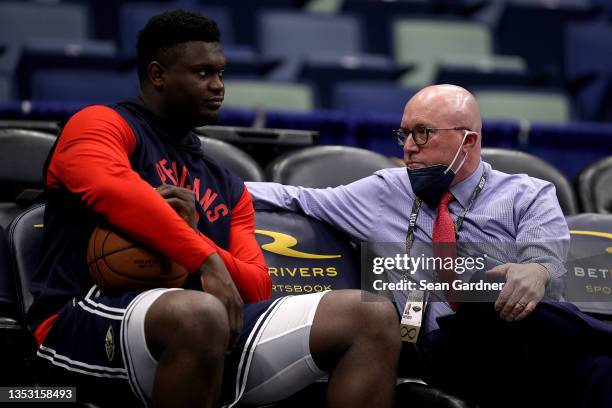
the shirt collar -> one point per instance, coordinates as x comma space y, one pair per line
463, 191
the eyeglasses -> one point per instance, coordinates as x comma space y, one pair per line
420, 134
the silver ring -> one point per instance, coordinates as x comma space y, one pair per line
521, 304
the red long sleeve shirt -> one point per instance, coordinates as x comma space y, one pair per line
112, 168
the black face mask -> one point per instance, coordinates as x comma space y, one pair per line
429, 183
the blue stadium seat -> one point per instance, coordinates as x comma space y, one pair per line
51, 53
322, 258
360, 97
570, 148
325, 70
134, 16
9, 60
84, 85
47, 34
323, 39
24, 21
588, 63
295, 34
538, 42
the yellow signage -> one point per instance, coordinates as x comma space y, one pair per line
283, 243
594, 234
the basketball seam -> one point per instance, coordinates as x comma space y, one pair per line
135, 278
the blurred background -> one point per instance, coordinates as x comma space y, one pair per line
342, 70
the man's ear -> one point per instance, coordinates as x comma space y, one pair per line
471, 139
157, 74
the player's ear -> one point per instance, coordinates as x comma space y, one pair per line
157, 74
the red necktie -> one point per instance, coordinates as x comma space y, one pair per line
445, 242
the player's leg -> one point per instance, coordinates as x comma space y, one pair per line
187, 332
303, 337
355, 337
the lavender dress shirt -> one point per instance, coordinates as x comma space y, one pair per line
511, 208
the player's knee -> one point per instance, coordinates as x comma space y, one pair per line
380, 321
193, 321
203, 318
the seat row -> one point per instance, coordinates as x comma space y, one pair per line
23, 153
590, 236
51, 51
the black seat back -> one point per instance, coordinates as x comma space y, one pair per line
232, 158
595, 187
8, 298
514, 162
25, 237
588, 267
325, 166
305, 255
22, 157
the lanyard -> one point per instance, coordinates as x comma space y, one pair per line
416, 207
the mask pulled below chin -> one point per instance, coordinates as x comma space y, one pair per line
430, 183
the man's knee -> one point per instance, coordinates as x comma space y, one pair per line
191, 320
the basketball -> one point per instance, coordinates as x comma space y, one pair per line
117, 262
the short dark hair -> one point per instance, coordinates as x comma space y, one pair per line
168, 30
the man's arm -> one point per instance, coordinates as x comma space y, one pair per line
244, 260
542, 241
353, 208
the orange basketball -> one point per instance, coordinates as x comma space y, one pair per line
117, 262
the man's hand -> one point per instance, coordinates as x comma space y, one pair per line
183, 202
524, 288
216, 280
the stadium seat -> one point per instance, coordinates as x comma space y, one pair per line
325, 166
24, 21
594, 186
469, 71
262, 144
295, 34
268, 95
325, 70
551, 107
134, 16
314, 46
588, 270
24, 236
379, 16
316, 258
9, 60
513, 162
425, 42
56, 54
588, 64
372, 96
67, 85
232, 158
540, 45
22, 156
8, 298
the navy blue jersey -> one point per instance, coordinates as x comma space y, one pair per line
84, 192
